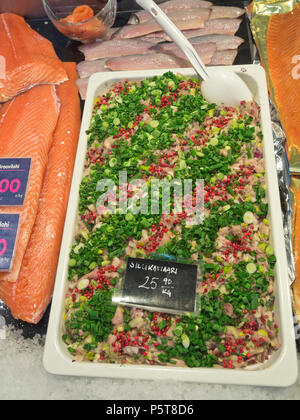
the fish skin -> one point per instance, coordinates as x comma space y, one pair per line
216, 27
82, 85
146, 62
169, 6
223, 42
27, 125
156, 37
211, 27
186, 19
205, 51
163, 56
114, 48
88, 68
224, 58
29, 297
226, 12
30, 59
217, 12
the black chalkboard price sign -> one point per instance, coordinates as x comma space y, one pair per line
160, 285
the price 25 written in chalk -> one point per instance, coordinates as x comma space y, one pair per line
155, 283
167, 285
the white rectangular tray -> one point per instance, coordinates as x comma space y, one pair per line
281, 369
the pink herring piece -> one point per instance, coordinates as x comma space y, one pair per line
169, 7
205, 51
115, 48
223, 58
146, 62
87, 68
184, 20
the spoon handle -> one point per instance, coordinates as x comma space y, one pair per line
175, 34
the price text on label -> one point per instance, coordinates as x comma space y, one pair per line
14, 174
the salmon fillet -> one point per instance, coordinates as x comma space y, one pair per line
27, 125
26, 58
29, 297
283, 45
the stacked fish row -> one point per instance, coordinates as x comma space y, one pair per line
141, 45
40, 119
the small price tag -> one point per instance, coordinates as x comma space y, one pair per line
9, 224
167, 286
14, 174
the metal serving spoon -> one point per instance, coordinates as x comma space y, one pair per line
221, 86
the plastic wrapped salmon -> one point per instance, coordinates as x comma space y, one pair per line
295, 187
30, 295
26, 58
276, 29
283, 44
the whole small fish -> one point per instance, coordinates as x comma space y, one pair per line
224, 58
186, 19
87, 68
115, 48
169, 6
146, 62
223, 42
